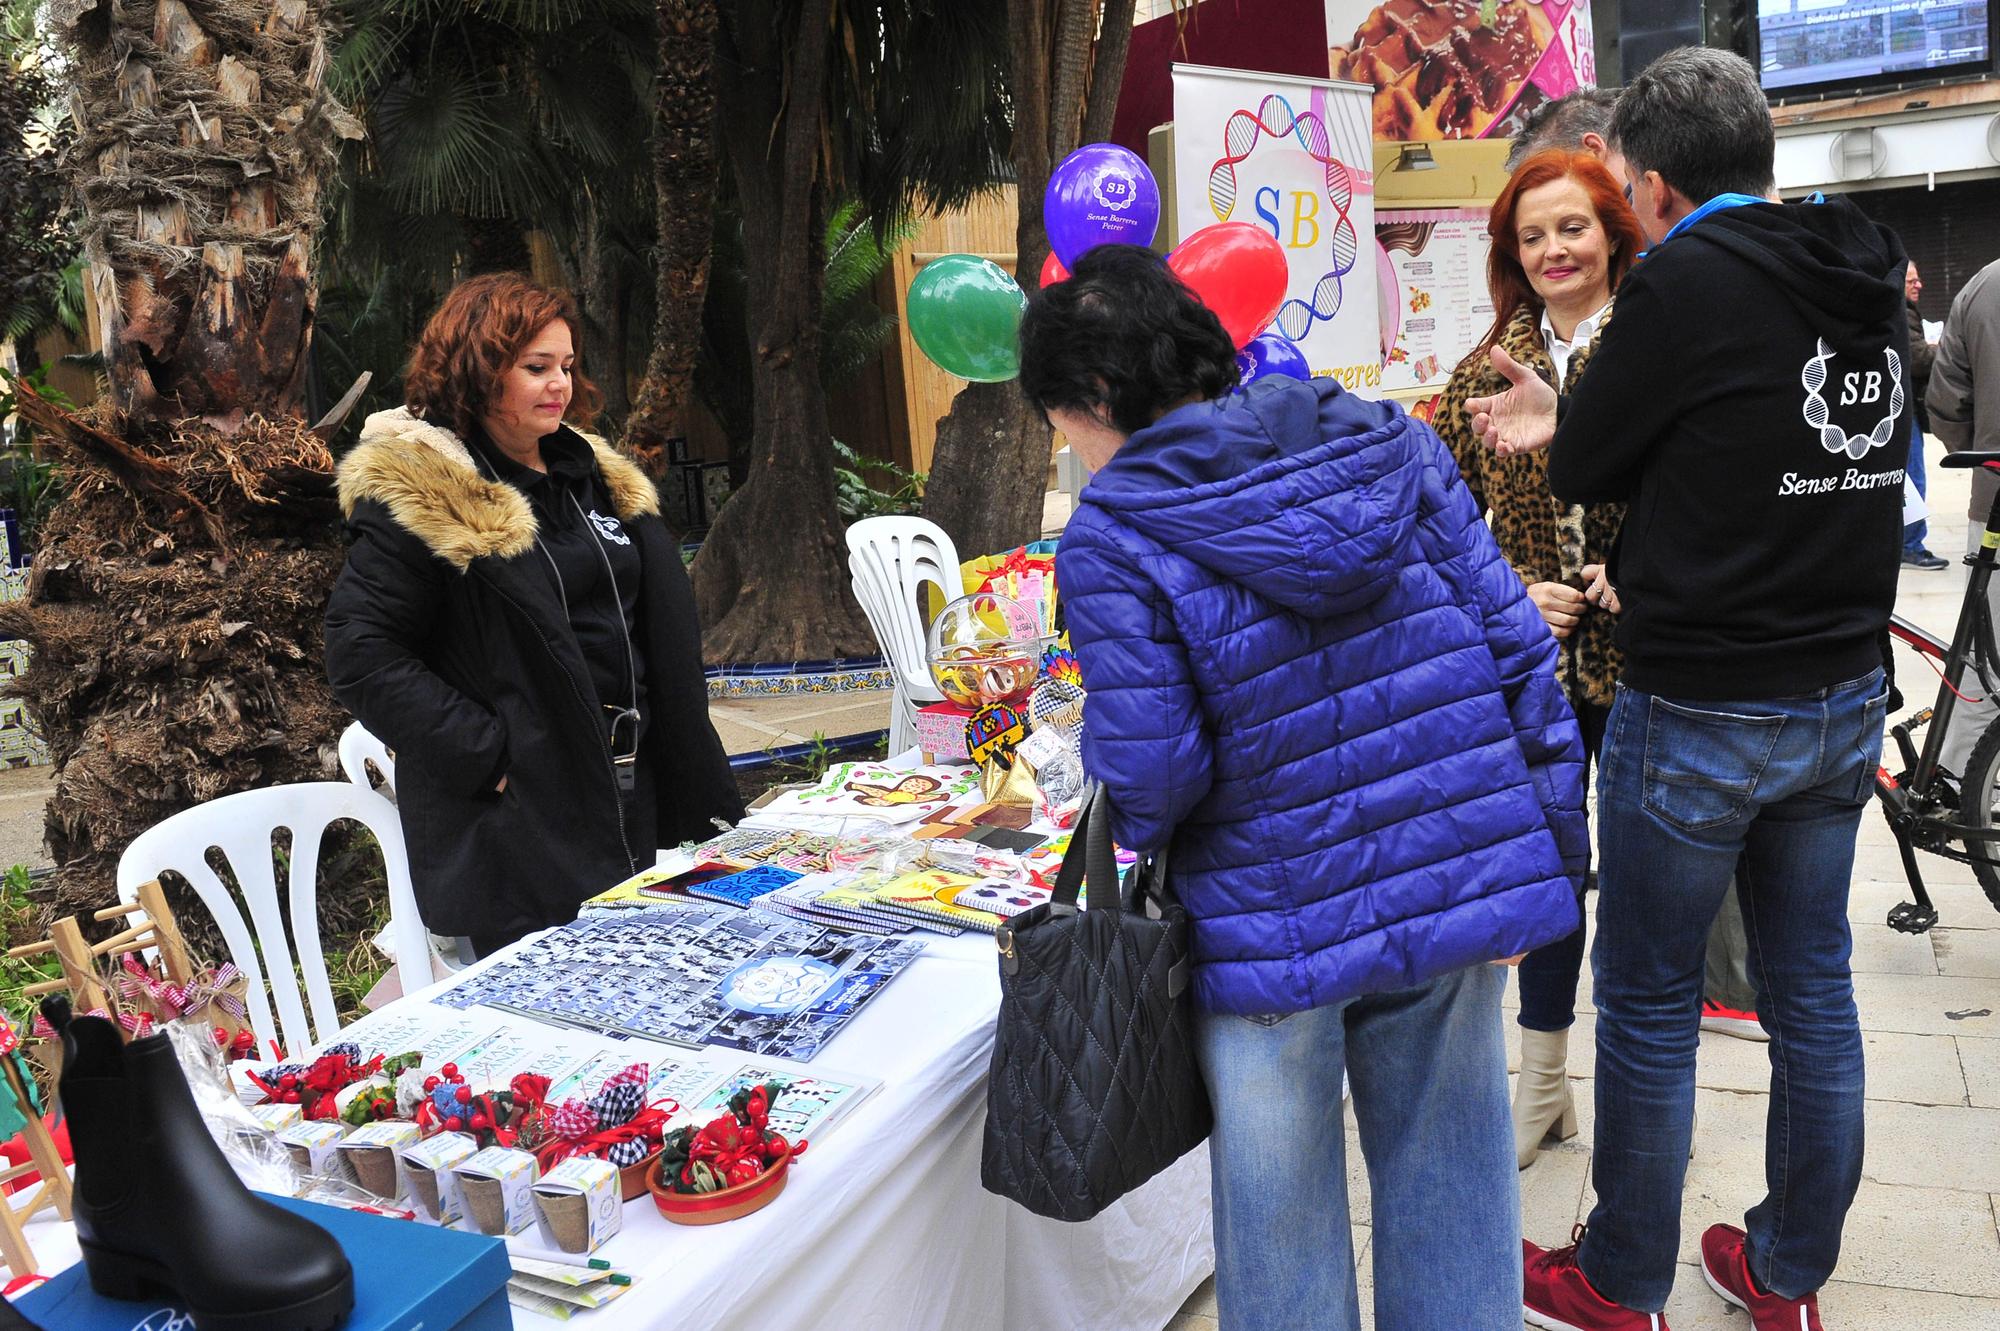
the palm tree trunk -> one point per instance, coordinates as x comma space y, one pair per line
771, 579
684, 177
176, 615
990, 469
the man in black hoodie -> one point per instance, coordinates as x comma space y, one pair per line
1749, 404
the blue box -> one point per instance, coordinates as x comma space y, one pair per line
406, 1276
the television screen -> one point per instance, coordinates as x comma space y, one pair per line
1828, 43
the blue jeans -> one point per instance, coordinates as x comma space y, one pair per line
1428, 1068
1915, 532
1685, 792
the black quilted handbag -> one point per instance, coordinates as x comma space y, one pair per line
1094, 1087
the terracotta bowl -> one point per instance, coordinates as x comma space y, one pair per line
632, 1178
712, 1208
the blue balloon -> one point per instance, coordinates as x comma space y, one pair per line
1272, 353
1100, 194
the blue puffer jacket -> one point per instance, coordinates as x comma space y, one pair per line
1311, 670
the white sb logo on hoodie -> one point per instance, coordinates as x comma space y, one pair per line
1857, 387
608, 528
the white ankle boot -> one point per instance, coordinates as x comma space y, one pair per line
1543, 1106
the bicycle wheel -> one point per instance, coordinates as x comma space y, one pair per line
1977, 798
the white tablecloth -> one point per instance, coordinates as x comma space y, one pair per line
883, 1225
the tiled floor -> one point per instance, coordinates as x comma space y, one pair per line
1922, 1248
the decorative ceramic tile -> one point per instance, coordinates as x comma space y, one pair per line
800, 677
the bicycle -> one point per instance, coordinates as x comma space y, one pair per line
1928, 808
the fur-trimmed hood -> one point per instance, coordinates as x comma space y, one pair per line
425, 476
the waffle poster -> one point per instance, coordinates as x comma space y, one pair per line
1292, 157
1431, 265
1460, 69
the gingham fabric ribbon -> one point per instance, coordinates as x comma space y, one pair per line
137, 984
43, 1031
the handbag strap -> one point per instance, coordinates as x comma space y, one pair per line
1096, 865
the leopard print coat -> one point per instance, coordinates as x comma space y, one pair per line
1543, 539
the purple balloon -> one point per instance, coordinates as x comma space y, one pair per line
1272, 353
1100, 194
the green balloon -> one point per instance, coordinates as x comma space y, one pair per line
965, 314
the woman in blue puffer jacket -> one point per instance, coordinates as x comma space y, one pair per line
1313, 675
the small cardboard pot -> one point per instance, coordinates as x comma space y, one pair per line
712, 1208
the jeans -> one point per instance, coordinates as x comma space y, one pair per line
1547, 976
1429, 1073
1686, 791
1915, 532
1972, 714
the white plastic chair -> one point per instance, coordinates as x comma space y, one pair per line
240, 826
359, 750
892, 560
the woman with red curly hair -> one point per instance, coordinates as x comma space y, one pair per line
514, 622
1563, 237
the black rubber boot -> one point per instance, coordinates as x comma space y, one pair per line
159, 1210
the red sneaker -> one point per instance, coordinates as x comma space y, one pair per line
1556, 1297
1725, 1265
1732, 1021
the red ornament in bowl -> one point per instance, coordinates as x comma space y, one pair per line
712, 1208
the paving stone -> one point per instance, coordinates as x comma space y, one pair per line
1878, 949
1980, 1060
1974, 952
1933, 1146
1951, 1005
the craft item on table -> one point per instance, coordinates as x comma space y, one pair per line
616, 1124
984, 648
276, 1118
659, 973
633, 891
489, 1118
1058, 767
578, 1204
803, 900
431, 1166
855, 898
681, 1082
557, 1302
372, 1150
1002, 897
146, 998
499, 1189
929, 898
316, 1085
702, 1169
993, 732
1058, 703
744, 846
521, 1050
808, 1106
1025, 575
235, 1048
876, 791
679, 884
940, 731
744, 887
312, 1148
1059, 664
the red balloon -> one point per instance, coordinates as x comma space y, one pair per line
1053, 270
1238, 271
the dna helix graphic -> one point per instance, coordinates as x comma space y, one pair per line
1241, 134
1832, 437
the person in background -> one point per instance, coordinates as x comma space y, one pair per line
1563, 237
1964, 405
1762, 455
513, 621
1313, 675
1579, 121
1918, 367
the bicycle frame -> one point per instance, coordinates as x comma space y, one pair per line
1910, 803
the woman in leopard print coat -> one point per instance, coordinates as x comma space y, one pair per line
1562, 236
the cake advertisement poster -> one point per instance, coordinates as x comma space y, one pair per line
1431, 265
1290, 156
1460, 69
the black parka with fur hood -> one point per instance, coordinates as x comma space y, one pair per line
446, 638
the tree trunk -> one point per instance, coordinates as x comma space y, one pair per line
204, 136
684, 178
1107, 69
176, 615
604, 306
771, 580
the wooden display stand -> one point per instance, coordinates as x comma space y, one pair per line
154, 927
